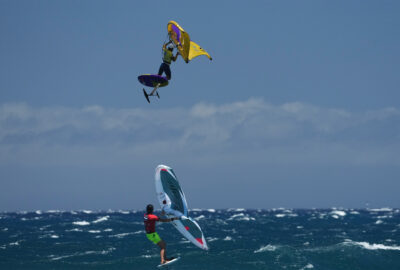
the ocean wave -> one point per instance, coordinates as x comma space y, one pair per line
369, 246
105, 218
199, 217
227, 238
101, 252
122, 235
81, 223
266, 248
211, 239
383, 209
94, 231
240, 217
337, 213
308, 266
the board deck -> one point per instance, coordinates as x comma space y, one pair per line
169, 263
152, 80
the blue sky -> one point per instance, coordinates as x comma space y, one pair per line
300, 106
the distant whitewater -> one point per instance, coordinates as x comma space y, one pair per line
238, 239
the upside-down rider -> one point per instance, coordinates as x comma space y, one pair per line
150, 226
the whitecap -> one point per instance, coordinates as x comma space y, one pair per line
121, 235
354, 212
81, 223
94, 231
308, 266
211, 210
211, 239
280, 215
54, 236
199, 217
379, 221
38, 212
87, 211
228, 238
369, 246
384, 209
108, 230
53, 211
338, 213
240, 217
54, 258
266, 248
123, 212
105, 218
74, 230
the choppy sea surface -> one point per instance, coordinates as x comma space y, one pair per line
238, 239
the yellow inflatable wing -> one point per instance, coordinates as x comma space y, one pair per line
180, 38
196, 50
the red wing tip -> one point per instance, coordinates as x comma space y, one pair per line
165, 170
200, 240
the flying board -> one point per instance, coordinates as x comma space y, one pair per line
152, 80
169, 262
173, 202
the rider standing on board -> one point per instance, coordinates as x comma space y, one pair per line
150, 226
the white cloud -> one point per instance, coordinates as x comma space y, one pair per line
251, 129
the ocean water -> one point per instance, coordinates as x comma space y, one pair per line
238, 239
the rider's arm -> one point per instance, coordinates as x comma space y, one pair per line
168, 219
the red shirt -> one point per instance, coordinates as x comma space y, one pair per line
150, 222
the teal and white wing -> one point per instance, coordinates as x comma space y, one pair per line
169, 192
192, 231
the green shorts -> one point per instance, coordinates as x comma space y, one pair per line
153, 237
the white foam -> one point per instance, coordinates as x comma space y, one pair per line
338, 213
105, 218
384, 209
228, 238
53, 211
121, 235
38, 212
369, 246
14, 243
54, 258
280, 215
241, 216
54, 236
94, 231
108, 230
74, 230
379, 221
81, 223
211, 210
308, 266
87, 211
123, 212
199, 217
266, 248
211, 239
